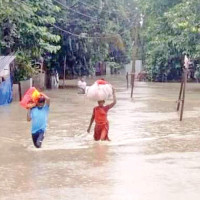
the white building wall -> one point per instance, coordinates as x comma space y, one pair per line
138, 66
5, 72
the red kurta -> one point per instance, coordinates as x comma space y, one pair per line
102, 125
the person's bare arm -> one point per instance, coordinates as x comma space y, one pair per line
29, 115
91, 122
46, 98
114, 99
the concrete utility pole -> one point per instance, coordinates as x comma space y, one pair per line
64, 2
64, 70
135, 46
134, 55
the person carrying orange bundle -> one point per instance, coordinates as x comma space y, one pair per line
100, 117
39, 116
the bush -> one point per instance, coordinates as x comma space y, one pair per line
24, 69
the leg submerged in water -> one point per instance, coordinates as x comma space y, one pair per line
101, 132
104, 135
37, 139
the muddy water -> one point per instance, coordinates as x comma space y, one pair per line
152, 156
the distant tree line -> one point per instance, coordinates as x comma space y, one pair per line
170, 30
82, 32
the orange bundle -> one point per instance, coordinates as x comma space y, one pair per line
30, 98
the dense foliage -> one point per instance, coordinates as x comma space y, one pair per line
83, 32
25, 31
96, 31
170, 30
160, 32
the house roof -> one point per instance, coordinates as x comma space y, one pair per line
5, 60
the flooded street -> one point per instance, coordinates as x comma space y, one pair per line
152, 155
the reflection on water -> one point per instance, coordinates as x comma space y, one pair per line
152, 156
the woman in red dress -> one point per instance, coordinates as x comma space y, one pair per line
101, 122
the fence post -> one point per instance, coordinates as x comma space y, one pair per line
132, 83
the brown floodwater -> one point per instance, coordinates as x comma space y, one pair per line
152, 155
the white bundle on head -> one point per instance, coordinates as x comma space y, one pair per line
98, 92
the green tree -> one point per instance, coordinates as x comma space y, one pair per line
170, 30
26, 27
102, 33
